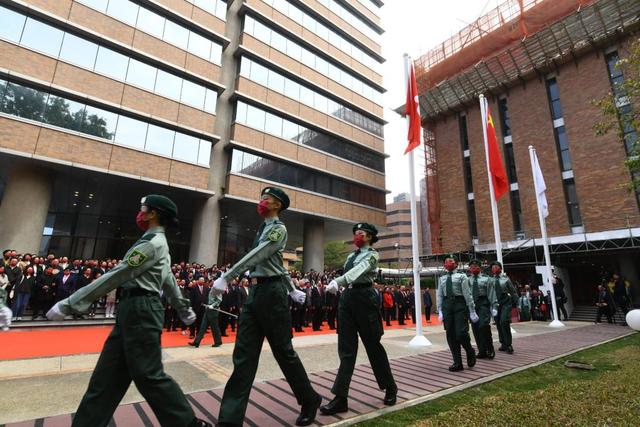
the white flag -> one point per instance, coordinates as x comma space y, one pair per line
541, 187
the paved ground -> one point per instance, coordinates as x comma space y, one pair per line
55, 385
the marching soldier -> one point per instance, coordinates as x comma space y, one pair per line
505, 294
455, 308
132, 351
210, 319
359, 314
484, 298
266, 315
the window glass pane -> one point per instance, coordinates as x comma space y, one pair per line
556, 109
159, 140
11, 24
276, 81
42, 37
290, 130
204, 154
259, 74
221, 9
216, 53
320, 102
64, 113
255, 117
176, 34
566, 160
308, 58
24, 102
553, 90
279, 42
261, 32
245, 67
141, 74
273, 124
100, 5
186, 148
199, 45
193, 94
210, 101
100, 123
306, 96
563, 142
78, 51
151, 22
111, 63
123, 10
168, 85
241, 112
294, 50
131, 132
236, 161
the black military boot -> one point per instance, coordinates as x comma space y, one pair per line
337, 405
471, 358
308, 411
390, 395
456, 367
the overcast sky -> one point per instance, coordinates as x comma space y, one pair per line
414, 27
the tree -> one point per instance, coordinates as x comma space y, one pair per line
618, 112
335, 255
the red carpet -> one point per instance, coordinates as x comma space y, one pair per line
26, 344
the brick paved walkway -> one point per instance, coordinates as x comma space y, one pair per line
418, 376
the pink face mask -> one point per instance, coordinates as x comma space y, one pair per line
450, 265
141, 222
496, 270
358, 240
263, 208
475, 270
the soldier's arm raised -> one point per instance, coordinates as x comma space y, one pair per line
260, 253
366, 264
466, 293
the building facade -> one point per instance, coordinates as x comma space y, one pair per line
541, 90
207, 101
394, 244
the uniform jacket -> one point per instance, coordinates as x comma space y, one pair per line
460, 283
364, 270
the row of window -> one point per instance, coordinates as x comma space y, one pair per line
307, 179
294, 50
282, 128
325, 33
287, 9
468, 178
369, 4
214, 7
277, 82
158, 26
510, 164
21, 101
62, 45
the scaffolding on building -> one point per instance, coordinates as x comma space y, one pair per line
515, 41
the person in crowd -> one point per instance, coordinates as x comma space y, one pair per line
427, 301
524, 307
604, 302
398, 298
620, 294
359, 315
317, 307
388, 305
5, 312
561, 297
209, 319
14, 273
410, 304
22, 291
198, 295
332, 302
110, 301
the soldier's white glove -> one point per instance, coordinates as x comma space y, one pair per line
440, 316
494, 312
297, 296
332, 287
56, 313
219, 286
188, 316
474, 316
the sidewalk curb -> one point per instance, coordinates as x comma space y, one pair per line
479, 381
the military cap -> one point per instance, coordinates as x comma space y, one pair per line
279, 194
161, 203
369, 228
498, 263
475, 261
452, 256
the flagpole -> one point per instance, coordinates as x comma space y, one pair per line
419, 340
494, 203
556, 323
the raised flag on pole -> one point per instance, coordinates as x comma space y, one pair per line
412, 110
496, 166
540, 186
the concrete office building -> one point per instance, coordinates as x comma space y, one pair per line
394, 244
207, 101
541, 64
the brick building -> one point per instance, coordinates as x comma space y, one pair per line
207, 101
540, 67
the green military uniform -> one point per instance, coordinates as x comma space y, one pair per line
484, 298
455, 302
5, 312
359, 314
265, 314
210, 319
524, 308
506, 295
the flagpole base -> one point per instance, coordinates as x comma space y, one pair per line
419, 341
556, 324
513, 331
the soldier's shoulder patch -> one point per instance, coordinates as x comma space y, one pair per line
136, 258
373, 260
275, 234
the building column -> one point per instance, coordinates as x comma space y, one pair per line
24, 208
313, 245
205, 233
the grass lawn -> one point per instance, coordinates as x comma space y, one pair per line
549, 394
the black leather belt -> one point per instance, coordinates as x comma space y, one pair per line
265, 280
137, 292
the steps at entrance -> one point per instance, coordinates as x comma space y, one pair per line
41, 322
588, 313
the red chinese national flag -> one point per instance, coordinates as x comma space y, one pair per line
496, 167
412, 110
